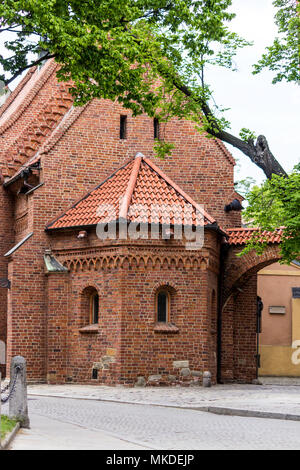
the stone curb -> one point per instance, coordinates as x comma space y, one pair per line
208, 409
8, 440
247, 413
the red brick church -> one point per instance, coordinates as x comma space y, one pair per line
139, 309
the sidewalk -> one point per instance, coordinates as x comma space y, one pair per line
46, 434
274, 399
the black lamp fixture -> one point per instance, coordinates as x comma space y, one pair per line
234, 205
25, 186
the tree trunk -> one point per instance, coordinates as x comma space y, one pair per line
258, 152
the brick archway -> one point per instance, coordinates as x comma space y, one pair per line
237, 348
238, 269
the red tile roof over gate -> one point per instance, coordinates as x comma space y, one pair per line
140, 185
239, 236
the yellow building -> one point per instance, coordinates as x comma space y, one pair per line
279, 289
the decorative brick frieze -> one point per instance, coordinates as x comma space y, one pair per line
147, 261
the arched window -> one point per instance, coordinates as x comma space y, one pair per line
163, 306
94, 308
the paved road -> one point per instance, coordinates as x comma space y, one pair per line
283, 399
146, 426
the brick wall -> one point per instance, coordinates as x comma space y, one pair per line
239, 335
89, 348
26, 328
17, 117
146, 352
57, 308
6, 242
227, 342
127, 345
245, 332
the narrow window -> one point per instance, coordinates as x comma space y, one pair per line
123, 127
94, 373
156, 128
94, 308
162, 306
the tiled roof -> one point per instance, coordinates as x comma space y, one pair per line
239, 236
132, 193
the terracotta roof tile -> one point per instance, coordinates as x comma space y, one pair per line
132, 193
239, 236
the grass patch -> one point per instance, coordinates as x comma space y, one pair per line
7, 425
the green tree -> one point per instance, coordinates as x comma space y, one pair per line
150, 55
276, 203
283, 56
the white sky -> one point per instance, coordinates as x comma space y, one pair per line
271, 110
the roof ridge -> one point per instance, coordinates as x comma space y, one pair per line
131, 185
178, 189
236, 229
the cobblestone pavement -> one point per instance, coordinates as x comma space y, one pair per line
273, 398
165, 428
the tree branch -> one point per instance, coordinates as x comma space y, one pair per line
259, 152
26, 67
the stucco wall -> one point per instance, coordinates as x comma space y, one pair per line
275, 284
280, 337
277, 361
